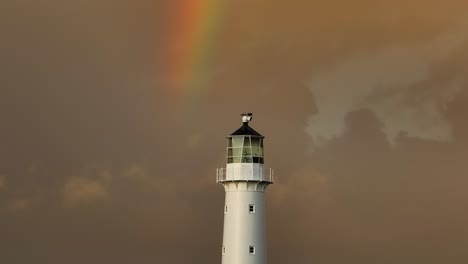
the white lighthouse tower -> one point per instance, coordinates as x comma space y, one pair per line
244, 179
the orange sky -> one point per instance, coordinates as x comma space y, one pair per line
363, 105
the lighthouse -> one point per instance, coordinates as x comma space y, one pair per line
244, 180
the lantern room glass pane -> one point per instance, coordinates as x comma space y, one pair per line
246, 159
245, 149
247, 152
247, 142
237, 142
255, 142
257, 152
236, 152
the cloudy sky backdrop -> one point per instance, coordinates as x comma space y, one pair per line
108, 150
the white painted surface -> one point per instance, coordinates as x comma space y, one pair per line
243, 229
246, 118
244, 172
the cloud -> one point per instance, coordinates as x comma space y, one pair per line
141, 177
79, 190
304, 184
397, 83
98, 184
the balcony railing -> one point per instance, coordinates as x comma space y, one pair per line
244, 174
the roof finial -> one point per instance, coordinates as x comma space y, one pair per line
246, 117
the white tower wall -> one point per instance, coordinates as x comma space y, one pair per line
242, 228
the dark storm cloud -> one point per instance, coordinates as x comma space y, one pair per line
99, 164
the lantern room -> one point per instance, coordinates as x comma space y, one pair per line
245, 156
245, 145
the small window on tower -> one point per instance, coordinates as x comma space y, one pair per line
252, 208
251, 250
225, 209
224, 250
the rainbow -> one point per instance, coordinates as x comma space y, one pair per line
192, 32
